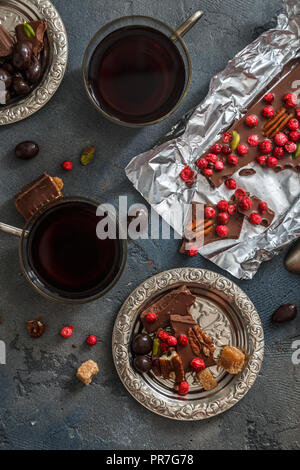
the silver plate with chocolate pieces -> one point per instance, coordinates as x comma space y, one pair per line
55, 55
224, 312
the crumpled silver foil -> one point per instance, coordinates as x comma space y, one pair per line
155, 174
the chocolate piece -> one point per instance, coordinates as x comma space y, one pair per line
178, 301
186, 325
38, 193
287, 77
292, 260
266, 218
37, 42
284, 313
142, 344
35, 328
22, 55
142, 363
206, 379
87, 371
247, 172
6, 42
232, 359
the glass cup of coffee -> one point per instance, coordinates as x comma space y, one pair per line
61, 255
137, 70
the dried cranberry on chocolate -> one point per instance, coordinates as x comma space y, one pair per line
280, 139
22, 55
278, 152
272, 161
265, 147
242, 149
253, 140
269, 97
226, 149
290, 147
33, 73
5, 78
268, 112
290, 100
226, 137
222, 230
294, 136
142, 364
219, 165
261, 159
263, 207
216, 149
231, 209
207, 172
222, 205
202, 163
251, 121
293, 124
255, 218
245, 203
223, 218
209, 213
212, 157
240, 192
230, 183
20, 87
232, 160
142, 344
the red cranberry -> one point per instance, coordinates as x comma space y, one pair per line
222, 230
219, 165
183, 388
151, 317
223, 205
163, 335
223, 218
253, 140
231, 209
278, 152
212, 157
245, 203
230, 183
232, 160
265, 147
263, 207
290, 147
294, 136
164, 347
293, 124
197, 364
172, 341
187, 174
201, 163
91, 340
280, 139
240, 192
67, 331
183, 340
226, 149
67, 165
269, 97
242, 149
191, 253
209, 213
290, 100
272, 161
251, 121
261, 159
268, 112
255, 218
208, 172
226, 137
216, 149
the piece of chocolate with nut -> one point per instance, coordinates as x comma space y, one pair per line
39, 27
35, 328
37, 194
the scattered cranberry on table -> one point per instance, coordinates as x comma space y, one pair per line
192, 252
67, 331
91, 340
67, 165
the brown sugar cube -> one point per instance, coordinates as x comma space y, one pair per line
232, 359
206, 379
87, 371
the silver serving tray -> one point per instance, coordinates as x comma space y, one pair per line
226, 314
13, 12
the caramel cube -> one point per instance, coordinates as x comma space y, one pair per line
232, 359
87, 371
206, 379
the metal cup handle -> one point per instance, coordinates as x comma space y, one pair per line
187, 25
17, 232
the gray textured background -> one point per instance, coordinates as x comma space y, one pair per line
42, 406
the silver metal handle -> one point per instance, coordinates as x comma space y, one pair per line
187, 25
17, 232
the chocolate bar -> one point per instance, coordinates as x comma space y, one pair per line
267, 217
37, 194
39, 27
266, 129
177, 302
6, 42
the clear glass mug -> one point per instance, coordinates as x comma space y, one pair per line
34, 276
167, 35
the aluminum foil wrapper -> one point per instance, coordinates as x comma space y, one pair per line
155, 174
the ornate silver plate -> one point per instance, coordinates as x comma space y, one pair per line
226, 314
13, 12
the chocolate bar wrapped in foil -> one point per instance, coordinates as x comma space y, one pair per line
155, 174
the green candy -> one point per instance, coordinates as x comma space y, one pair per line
235, 140
28, 30
156, 347
297, 153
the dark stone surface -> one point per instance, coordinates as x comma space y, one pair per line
42, 405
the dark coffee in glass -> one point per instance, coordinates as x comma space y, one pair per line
136, 74
67, 257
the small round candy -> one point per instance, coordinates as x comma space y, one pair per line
142, 364
26, 150
34, 70
20, 86
142, 344
22, 55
